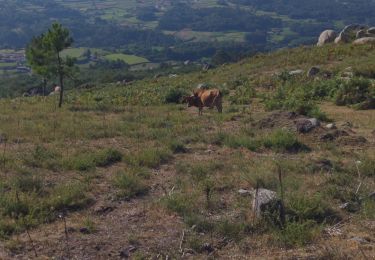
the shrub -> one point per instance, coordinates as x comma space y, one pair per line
41, 157
175, 95
243, 95
68, 196
130, 184
177, 146
283, 141
107, 157
298, 233
355, 91
179, 203
149, 157
89, 160
230, 229
367, 167
27, 183
303, 208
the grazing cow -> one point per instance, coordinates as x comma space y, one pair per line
205, 98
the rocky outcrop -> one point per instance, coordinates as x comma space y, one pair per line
328, 36
365, 40
349, 34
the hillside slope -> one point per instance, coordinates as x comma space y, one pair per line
122, 171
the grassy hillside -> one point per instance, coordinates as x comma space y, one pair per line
125, 170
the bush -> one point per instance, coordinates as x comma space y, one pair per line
298, 233
88, 160
283, 141
243, 95
179, 203
41, 157
149, 157
177, 146
355, 91
175, 95
107, 157
130, 184
303, 208
68, 196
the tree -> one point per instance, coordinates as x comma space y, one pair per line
44, 55
38, 59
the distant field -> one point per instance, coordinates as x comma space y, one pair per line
189, 35
129, 59
7, 64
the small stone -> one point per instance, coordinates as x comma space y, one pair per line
126, 252
295, 72
347, 124
207, 247
244, 192
313, 71
331, 126
84, 230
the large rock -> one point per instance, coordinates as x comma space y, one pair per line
371, 30
361, 34
365, 40
342, 38
349, 33
328, 36
261, 199
306, 125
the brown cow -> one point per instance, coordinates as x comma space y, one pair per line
205, 98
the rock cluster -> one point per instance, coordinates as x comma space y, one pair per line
355, 33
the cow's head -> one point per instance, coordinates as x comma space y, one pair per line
192, 101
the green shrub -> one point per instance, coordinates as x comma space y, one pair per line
283, 141
86, 161
367, 166
355, 91
175, 95
177, 146
149, 157
179, 203
230, 230
27, 183
243, 95
130, 184
298, 233
107, 157
42, 157
236, 141
303, 208
6, 228
70, 196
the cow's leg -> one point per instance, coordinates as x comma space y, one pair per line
200, 111
219, 107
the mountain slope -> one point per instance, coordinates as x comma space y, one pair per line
122, 171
